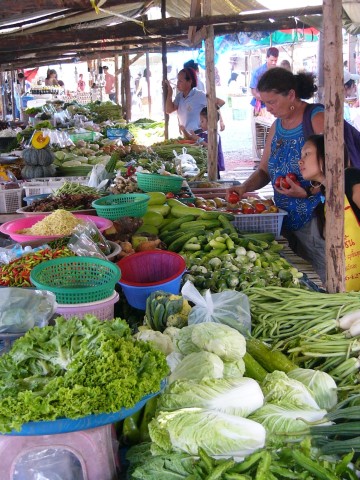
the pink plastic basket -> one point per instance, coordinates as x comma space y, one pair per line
103, 309
10, 228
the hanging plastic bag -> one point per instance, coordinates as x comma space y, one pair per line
185, 164
229, 307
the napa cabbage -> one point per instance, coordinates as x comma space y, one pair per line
218, 433
224, 341
235, 396
279, 388
198, 366
321, 384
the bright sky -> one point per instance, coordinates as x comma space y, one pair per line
284, 4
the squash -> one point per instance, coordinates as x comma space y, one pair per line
39, 140
43, 157
37, 171
165, 309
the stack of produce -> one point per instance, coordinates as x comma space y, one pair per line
38, 158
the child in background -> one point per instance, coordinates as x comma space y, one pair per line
201, 138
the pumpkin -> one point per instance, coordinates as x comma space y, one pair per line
39, 140
43, 157
37, 171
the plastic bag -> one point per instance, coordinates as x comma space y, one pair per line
185, 164
229, 307
86, 240
22, 309
52, 463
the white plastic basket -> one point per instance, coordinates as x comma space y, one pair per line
260, 223
37, 186
10, 200
102, 309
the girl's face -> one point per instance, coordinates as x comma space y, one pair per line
183, 85
203, 123
309, 165
278, 105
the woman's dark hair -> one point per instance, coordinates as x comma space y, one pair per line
319, 143
349, 84
50, 72
190, 76
204, 113
192, 64
281, 81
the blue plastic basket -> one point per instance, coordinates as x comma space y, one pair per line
146, 272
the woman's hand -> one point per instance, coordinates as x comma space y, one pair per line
168, 87
291, 188
240, 190
222, 125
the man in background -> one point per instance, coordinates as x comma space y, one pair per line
109, 84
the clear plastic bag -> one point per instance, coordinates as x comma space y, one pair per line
185, 164
87, 241
229, 307
22, 309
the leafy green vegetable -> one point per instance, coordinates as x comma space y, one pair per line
198, 366
219, 434
240, 396
321, 385
234, 369
222, 340
76, 368
279, 388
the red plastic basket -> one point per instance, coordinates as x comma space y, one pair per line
145, 272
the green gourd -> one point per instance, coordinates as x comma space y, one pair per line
43, 156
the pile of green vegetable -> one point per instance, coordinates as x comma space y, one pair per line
104, 111
76, 368
166, 152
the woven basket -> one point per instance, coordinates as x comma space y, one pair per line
77, 279
152, 182
113, 207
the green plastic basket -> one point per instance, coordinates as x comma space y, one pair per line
86, 136
76, 279
122, 205
152, 182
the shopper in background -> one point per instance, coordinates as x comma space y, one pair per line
189, 102
283, 92
81, 83
286, 64
19, 90
51, 78
272, 56
109, 83
143, 89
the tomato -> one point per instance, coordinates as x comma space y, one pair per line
170, 195
278, 182
248, 210
260, 207
292, 176
233, 197
284, 183
190, 204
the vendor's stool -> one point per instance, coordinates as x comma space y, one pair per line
82, 455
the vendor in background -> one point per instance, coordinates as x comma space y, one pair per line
189, 102
51, 78
81, 83
19, 90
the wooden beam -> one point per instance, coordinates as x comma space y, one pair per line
211, 97
131, 29
334, 147
11, 8
195, 11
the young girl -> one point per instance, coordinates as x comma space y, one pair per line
202, 138
312, 167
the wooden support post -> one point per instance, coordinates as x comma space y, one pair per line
117, 84
210, 89
148, 82
13, 78
3, 96
164, 72
123, 95
125, 78
334, 147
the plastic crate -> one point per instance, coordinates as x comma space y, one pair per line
238, 114
10, 200
38, 186
119, 133
86, 136
260, 223
103, 310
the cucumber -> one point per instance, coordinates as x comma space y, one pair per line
181, 211
269, 359
207, 224
253, 369
177, 244
176, 223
